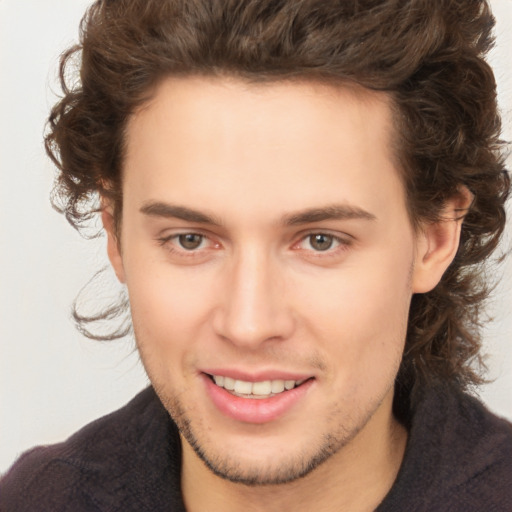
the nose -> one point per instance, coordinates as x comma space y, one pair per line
253, 308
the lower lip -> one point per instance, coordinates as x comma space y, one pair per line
255, 410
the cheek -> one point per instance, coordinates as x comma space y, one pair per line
169, 319
169, 307
360, 315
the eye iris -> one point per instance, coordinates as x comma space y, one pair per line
321, 242
190, 241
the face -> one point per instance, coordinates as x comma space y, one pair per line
270, 264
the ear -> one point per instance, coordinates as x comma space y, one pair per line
113, 243
437, 243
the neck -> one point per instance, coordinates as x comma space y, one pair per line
355, 479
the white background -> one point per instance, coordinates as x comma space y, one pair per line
52, 380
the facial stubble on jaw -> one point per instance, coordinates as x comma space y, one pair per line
295, 467
290, 470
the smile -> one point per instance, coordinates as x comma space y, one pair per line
256, 401
262, 389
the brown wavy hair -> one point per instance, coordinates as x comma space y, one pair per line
428, 55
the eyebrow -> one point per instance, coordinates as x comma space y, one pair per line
166, 210
332, 212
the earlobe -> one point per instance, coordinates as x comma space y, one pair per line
113, 246
438, 242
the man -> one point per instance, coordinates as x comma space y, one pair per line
299, 196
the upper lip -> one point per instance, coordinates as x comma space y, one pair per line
257, 376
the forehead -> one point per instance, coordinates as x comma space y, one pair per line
292, 144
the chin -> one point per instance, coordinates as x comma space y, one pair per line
256, 459
255, 470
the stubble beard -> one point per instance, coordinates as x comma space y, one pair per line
290, 470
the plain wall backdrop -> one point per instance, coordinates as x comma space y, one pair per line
52, 379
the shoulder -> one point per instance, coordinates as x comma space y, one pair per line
477, 447
115, 463
458, 458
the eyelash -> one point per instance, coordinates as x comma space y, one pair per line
341, 244
181, 251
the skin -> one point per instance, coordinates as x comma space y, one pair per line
257, 295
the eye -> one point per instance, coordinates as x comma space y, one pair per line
191, 247
190, 241
321, 241
323, 244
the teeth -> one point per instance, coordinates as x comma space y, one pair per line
278, 386
262, 389
229, 383
289, 384
242, 387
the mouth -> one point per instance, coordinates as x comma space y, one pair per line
256, 401
255, 390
